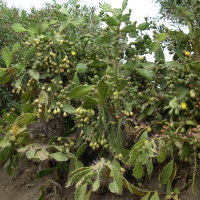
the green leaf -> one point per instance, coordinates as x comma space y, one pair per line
173, 103
34, 73
154, 46
128, 106
124, 4
80, 192
148, 74
15, 47
169, 187
2, 71
113, 187
97, 18
43, 98
68, 108
146, 197
78, 21
117, 12
112, 21
186, 151
107, 7
138, 170
80, 150
4, 143
30, 53
26, 118
189, 122
181, 92
28, 108
98, 64
41, 155
128, 29
149, 110
102, 89
143, 26
43, 74
162, 155
64, 25
155, 196
30, 153
179, 53
64, 11
18, 28
81, 68
161, 37
61, 157
76, 79
7, 56
89, 102
44, 172
149, 166
73, 37
80, 91
167, 172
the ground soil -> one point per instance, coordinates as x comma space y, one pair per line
24, 186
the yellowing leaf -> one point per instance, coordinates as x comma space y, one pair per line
15, 129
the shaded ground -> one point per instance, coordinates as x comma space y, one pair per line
24, 186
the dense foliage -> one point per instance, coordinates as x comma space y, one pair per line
131, 113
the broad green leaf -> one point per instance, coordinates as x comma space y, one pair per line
161, 37
43, 98
104, 40
117, 12
154, 46
73, 37
41, 155
138, 170
113, 187
64, 11
80, 150
30, 53
64, 25
148, 74
102, 89
146, 197
18, 82
124, 4
195, 65
143, 136
167, 172
20, 67
162, 155
98, 64
7, 56
159, 54
28, 108
4, 143
150, 109
78, 21
68, 108
179, 53
44, 172
107, 7
169, 187
18, 28
81, 68
43, 74
80, 91
76, 79
155, 196
186, 151
143, 26
2, 71
173, 103
89, 102
181, 92
128, 29
112, 21
15, 47
189, 122
97, 18
34, 73
80, 192
26, 118
30, 153
149, 166
61, 157
128, 106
